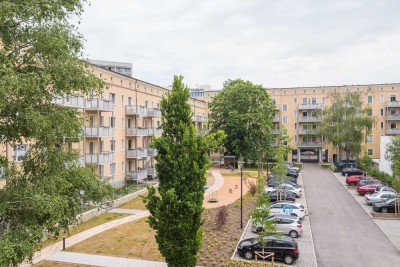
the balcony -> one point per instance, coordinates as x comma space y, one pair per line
73, 101
393, 131
274, 144
275, 131
307, 131
199, 119
309, 106
99, 104
99, 131
152, 112
102, 158
137, 175
155, 132
276, 119
136, 110
152, 172
137, 132
393, 104
310, 119
136, 153
151, 152
277, 108
393, 117
309, 144
202, 132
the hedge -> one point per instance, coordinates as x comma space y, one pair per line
384, 177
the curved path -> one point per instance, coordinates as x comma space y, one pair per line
218, 182
344, 235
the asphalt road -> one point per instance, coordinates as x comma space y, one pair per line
344, 234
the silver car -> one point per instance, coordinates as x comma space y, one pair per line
379, 197
285, 224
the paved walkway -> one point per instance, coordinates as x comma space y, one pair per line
344, 235
106, 261
218, 182
53, 249
125, 211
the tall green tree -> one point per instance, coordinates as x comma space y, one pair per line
346, 122
181, 165
40, 58
244, 111
392, 154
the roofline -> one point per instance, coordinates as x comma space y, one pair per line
325, 86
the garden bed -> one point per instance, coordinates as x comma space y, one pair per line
387, 216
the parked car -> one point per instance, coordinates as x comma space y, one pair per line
363, 182
287, 187
385, 188
367, 189
275, 196
288, 225
284, 248
308, 152
385, 207
292, 173
352, 180
275, 182
351, 171
345, 164
292, 208
379, 197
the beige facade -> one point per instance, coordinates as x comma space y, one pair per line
120, 125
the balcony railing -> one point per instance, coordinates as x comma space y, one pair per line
137, 132
310, 144
137, 175
99, 104
275, 131
99, 131
74, 101
275, 119
136, 153
309, 106
102, 158
152, 172
274, 144
310, 119
136, 110
393, 131
393, 117
393, 104
152, 112
199, 119
151, 152
155, 132
307, 131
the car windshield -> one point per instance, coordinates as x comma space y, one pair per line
390, 200
374, 194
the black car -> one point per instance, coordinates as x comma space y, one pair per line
272, 182
284, 248
384, 207
284, 195
352, 171
345, 164
292, 173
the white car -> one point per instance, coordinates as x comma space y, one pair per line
379, 197
286, 224
385, 188
291, 188
294, 209
309, 152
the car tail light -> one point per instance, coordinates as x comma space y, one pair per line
300, 190
302, 210
299, 226
295, 250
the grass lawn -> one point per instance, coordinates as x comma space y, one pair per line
136, 204
104, 218
58, 264
131, 240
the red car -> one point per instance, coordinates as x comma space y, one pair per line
367, 189
352, 180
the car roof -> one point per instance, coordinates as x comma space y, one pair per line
284, 216
288, 203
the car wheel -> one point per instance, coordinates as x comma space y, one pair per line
288, 259
293, 234
249, 255
385, 210
294, 214
353, 184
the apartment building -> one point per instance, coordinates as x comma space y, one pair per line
299, 111
119, 127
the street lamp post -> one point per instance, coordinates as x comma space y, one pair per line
241, 165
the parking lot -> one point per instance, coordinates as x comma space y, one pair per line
305, 242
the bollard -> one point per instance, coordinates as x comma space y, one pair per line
236, 186
230, 191
63, 242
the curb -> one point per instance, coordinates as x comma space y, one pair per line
241, 238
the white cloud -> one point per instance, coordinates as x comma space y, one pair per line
274, 43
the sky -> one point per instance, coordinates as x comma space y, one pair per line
274, 43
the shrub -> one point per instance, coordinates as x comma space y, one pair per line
222, 216
252, 188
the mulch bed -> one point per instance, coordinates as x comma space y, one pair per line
379, 215
220, 243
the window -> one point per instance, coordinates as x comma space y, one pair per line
123, 167
369, 138
158, 124
123, 145
314, 126
295, 125
284, 131
122, 100
304, 126
284, 143
392, 111
382, 112
370, 99
112, 97
146, 103
158, 105
295, 100
295, 138
370, 152
323, 100
382, 98
19, 152
284, 107
284, 119
112, 122
369, 112
314, 113
123, 123
314, 100
382, 125
305, 114
314, 138
129, 101
113, 168
393, 125
304, 101
392, 98
295, 114
112, 145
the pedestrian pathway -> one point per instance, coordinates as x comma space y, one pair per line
125, 211
106, 261
218, 182
53, 249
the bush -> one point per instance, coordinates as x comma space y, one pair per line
383, 177
252, 188
222, 216
298, 165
